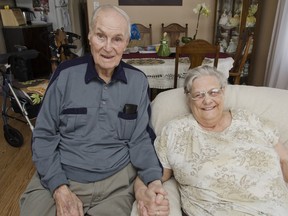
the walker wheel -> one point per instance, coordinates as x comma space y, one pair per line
13, 136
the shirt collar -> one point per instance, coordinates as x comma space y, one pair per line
91, 73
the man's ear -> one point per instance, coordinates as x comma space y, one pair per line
128, 41
89, 37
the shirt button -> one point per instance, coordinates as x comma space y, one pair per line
105, 87
103, 102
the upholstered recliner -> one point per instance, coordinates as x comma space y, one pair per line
268, 103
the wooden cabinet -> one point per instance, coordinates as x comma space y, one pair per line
36, 37
233, 19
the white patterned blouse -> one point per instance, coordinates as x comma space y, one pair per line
234, 172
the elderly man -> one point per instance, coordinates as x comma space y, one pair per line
91, 137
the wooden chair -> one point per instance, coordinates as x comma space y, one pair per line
146, 36
60, 44
196, 50
174, 33
240, 58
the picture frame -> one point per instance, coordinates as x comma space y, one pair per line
151, 2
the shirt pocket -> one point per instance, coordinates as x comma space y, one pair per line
73, 120
127, 125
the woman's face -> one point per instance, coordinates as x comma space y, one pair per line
207, 104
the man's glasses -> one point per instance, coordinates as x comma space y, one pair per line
215, 92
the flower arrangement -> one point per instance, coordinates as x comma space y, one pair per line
200, 9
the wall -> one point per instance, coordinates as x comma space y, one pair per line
52, 18
184, 14
149, 14
167, 14
2, 42
262, 42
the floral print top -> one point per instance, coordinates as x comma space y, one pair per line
234, 172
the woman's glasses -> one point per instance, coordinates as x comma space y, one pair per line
215, 92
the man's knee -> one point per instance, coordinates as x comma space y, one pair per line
36, 200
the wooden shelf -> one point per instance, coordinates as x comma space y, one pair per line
227, 32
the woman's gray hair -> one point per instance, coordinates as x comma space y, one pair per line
201, 71
109, 7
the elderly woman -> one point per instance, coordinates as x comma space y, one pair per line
226, 162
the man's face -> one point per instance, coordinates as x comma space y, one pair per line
108, 40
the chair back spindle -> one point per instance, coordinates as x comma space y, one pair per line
240, 59
174, 33
196, 50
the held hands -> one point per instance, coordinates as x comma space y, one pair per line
153, 200
67, 203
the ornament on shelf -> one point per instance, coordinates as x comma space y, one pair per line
232, 46
251, 19
234, 21
224, 18
223, 45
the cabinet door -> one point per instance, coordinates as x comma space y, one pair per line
233, 18
33, 37
37, 38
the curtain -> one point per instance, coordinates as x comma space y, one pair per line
276, 74
62, 14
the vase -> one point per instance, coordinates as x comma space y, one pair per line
186, 40
164, 49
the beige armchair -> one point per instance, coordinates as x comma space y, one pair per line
268, 103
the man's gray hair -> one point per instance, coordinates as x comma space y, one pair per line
201, 71
109, 7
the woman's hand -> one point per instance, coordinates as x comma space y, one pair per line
283, 154
67, 203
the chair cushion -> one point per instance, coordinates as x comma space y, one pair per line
268, 103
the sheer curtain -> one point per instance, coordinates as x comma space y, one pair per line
276, 74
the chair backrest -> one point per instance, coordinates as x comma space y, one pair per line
174, 32
145, 34
266, 102
240, 58
61, 43
196, 50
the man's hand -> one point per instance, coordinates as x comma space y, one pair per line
152, 201
67, 203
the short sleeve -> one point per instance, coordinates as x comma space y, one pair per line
269, 130
161, 147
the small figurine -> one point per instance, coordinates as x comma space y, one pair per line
223, 45
164, 49
232, 47
251, 19
234, 21
223, 19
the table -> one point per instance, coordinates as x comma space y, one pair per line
160, 71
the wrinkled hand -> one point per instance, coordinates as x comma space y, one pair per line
153, 201
67, 203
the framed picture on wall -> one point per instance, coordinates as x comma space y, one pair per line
42, 5
150, 2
